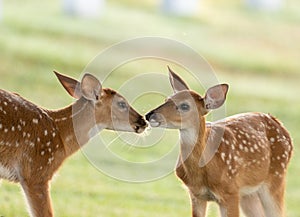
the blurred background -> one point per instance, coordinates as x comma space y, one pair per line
254, 45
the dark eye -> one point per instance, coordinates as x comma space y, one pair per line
184, 107
122, 105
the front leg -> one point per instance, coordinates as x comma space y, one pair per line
198, 206
38, 198
229, 207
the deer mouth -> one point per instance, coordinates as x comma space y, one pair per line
154, 119
140, 125
154, 123
139, 129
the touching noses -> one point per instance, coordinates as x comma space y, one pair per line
141, 122
150, 115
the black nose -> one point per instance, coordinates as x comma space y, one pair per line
149, 115
141, 121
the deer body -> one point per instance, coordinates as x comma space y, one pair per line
245, 156
253, 154
34, 141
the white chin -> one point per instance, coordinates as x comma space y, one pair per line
154, 124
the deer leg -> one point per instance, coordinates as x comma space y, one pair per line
38, 199
198, 206
230, 206
251, 206
272, 199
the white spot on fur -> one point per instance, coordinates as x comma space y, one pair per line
69, 138
35, 121
223, 156
50, 160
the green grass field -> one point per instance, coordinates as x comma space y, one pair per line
256, 53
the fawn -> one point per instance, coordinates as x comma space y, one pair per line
35, 141
250, 153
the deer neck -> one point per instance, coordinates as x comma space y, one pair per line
192, 142
74, 123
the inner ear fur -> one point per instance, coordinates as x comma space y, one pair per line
215, 96
90, 87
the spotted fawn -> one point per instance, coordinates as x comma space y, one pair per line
35, 141
245, 156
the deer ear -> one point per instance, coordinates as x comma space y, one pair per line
70, 84
176, 82
215, 96
90, 87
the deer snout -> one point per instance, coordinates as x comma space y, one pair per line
154, 118
140, 125
148, 115
141, 122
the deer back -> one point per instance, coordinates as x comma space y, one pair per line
29, 140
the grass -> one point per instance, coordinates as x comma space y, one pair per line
256, 53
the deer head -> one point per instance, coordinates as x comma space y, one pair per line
183, 109
111, 110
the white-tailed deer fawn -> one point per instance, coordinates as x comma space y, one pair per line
251, 152
34, 141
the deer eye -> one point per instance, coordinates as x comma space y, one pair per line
184, 107
122, 105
